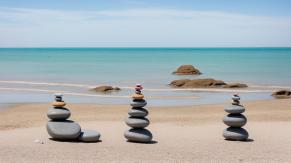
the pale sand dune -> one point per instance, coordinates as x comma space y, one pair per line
182, 134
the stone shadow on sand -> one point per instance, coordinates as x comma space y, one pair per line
151, 142
74, 141
247, 141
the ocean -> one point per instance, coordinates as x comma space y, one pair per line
34, 74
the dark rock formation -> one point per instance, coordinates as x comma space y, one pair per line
105, 89
282, 94
235, 85
197, 83
204, 83
187, 70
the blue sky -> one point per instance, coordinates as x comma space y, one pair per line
145, 23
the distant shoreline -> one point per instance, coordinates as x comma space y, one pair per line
255, 47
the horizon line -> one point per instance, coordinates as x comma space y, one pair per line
121, 47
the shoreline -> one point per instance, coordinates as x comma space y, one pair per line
251, 86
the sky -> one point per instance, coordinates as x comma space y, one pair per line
145, 23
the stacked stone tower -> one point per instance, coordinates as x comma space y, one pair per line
235, 120
59, 128
137, 120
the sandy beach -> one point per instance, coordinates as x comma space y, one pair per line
181, 134
140, 81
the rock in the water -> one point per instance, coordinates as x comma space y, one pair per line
139, 135
138, 112
204, 83
138, 103
282, 94
137, 122
179, 83
58, 113
235, 133
63, 130
197, 83
89, 136
105, 89
235, 120
235, 109
187, 70
235, 85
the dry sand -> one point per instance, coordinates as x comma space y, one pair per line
181, 134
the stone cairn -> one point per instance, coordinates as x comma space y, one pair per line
59, 128
137, 119
235, 120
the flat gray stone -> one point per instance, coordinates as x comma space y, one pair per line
235, 133
138, 103
63, 130
58, 113
89, 136
59, 99
235, 103
137, 122
235, 109
235, 120
236, 98
138, 135
138, 112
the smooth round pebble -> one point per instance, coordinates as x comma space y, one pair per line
137, 122
137, 96
235, 109
58, 113
89, 136
138, 103
138, 135
235, 133
59, 104
235, 120
63, 130
235, 102
59, 99
236, 98
138, 112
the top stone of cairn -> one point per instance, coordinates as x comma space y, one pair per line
138, 97
235, 107
59, 100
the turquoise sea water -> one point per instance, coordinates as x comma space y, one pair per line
125, 67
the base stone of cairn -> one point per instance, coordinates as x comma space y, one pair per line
63, 130
59, 128
137, 119
235, 120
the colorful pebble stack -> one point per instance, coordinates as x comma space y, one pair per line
137, 120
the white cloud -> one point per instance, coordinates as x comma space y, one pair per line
140, 27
